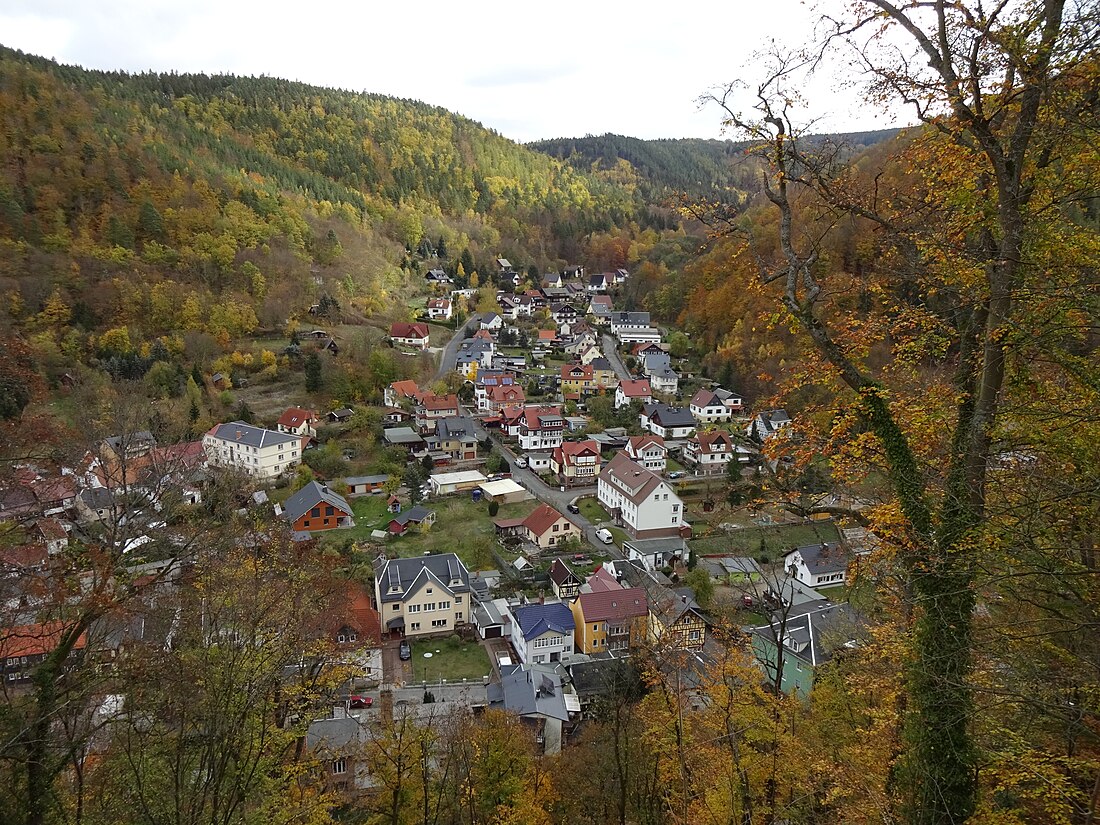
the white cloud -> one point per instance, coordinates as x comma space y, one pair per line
529, 71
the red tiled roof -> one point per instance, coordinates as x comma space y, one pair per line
404, 330
51, 529
295, 417
568, 451
636, 389
612, 605
435, 403
542, 518
716, 442
507, 393
34, 639
640, 442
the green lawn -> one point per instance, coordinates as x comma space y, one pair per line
452, 659
592, 510
673, 466
776, 539
462, 527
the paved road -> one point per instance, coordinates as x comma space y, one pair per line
450, 352
611, 353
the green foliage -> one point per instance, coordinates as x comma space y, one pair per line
494, 508
313, 372
701, 585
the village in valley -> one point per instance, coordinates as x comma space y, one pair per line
559, 498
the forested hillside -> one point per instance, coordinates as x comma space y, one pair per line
665, 167
173, 203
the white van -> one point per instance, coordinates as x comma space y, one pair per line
604, 535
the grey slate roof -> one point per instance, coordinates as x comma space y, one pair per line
814, 635
353, 480
308, 497
407, 574
241, 433
413, 514
531, 692
333, 735
455, 427
823, 558
667, 416
401, 435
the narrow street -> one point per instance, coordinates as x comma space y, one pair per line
449, 354
611, 353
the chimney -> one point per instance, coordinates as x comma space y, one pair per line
684, 599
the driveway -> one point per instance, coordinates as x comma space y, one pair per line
395, 672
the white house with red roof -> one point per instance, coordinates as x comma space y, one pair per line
544, 527
649, 451
711, 406
439, 309
709, 453
297, 421
410, 335
433, 408
541, 428
628, 391
503, 395
576, 462
640, 501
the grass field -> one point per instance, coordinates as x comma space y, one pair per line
776, 539
462, 527
592, 510
452, 659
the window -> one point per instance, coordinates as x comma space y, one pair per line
458, 600
676, 508
675, 519
306, 524
413, 608
595, 627
429, 606
315, 512
555, 528
414, 626
429, 591
444, 605
458, 616
397, 607
340, 766
439, 622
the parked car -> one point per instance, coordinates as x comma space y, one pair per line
746, 601
360, 702
676, 474
604, 535
572, 508
405, 651
521, 462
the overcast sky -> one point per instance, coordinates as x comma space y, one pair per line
529, 71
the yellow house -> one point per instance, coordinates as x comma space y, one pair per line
425, 595
676, 620
608, 616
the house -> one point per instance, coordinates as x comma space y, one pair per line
546, 337
565, 583
817, 565
541, 428
504, 265
486, 381
544, 527
619, 276
457, 437
253, 450
640, 500
315, 507
399, 392
539, 463
23, 647
410, 335
646, 335
734, 403
437, 276
732, 570
709, 408
330, 346
600, 309
552, 280
767, 425
52, 534
625, 322
630, 391
671, 423
564, 313
503, 395
709, 453
655, 554
537, 696
423, 595
573, 272
577, 381
598, 283
355, 624
677, 621
341, 416
412, 518
403, 437
445, 484
393, 504
97, 504
576, 462
649, 451
612, 618
434, 408
662, 377
587, 353
508, 308
640, 351
392, 416
491, 322
297, 421
809, 637
439, 309
365, 485
129, 445
580, 345
543, 632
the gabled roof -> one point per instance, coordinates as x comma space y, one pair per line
635, 482
568, 451
295, 417
636, 389
508, 393
614, 604
241, 433
536, 619
542, 518
309, 497
438, 403
455, 427
439, 303
638, 443
405, 573
667, 416
706, 398
718, 441
414, 515
535, 418
814, 635
36, 639
405, 330
822, 558
560, 573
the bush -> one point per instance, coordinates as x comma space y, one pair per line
494, 508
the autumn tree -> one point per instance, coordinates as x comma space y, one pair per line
1002, 92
